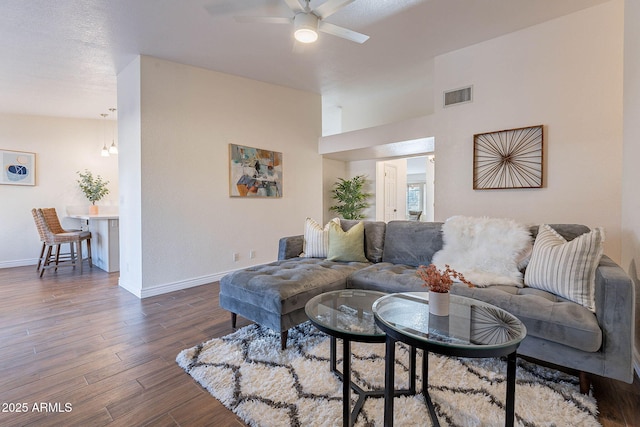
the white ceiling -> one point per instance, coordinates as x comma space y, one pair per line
62, 57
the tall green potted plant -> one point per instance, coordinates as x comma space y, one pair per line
351, 197
94, 189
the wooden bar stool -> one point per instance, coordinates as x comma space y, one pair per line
53, 235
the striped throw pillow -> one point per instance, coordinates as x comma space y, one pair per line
564, 268
316, 238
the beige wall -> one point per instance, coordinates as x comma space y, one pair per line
565, 74
63, 146
631, 176
331, 171
190, 225
404, 100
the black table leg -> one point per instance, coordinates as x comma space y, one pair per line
332, 354
346, 383
511, 390
425, 371
425, 389
412, 370
389, 380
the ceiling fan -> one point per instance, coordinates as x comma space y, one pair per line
307, 22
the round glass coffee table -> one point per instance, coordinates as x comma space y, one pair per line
472, 329
347, 315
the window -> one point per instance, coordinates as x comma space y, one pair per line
415, 197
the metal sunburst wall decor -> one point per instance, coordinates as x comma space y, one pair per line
508, 159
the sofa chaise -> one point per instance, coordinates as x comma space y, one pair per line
559, 331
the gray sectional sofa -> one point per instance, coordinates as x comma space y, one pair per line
559, 331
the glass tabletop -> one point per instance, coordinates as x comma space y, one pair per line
345, 312
470, 324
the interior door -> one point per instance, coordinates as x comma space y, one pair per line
390, 192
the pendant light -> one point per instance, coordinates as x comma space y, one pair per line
105, 150
113, 149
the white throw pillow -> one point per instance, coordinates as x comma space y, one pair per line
485, 250
567, 269
316, 238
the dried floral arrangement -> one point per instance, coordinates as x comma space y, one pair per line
440, 281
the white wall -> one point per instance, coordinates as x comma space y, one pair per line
190, 225
405, 99
334, 169
130, 167
63, 146
565, 74
631, 172
331, 171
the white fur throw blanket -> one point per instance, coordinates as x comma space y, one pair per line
487, 251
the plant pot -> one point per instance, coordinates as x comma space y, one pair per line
93, 210
439, 303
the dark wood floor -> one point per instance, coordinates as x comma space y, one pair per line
78, 350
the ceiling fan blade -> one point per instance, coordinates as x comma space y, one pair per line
263, 19
295, 5
345, 33
228, 7
330, 7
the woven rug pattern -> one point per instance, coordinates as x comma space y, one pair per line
265, 386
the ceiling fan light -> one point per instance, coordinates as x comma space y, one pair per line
306, 26
305, 35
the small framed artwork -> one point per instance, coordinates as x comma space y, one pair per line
254, 172
508, 159
18, 167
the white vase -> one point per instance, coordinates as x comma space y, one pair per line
439, 303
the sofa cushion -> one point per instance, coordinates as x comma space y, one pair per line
374, 232
568, 231
545, 315
412, 242
386, 277
347, 246
285, 286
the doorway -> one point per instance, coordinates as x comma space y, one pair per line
390, 192
405, 186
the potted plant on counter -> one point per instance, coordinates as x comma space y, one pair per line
94, 189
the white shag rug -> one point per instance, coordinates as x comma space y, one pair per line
265, 386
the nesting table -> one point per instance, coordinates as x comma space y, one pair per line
472, 329
347, 315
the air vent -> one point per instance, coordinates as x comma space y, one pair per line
458, 96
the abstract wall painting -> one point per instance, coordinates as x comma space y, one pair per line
18, 168
254, 172
508, 159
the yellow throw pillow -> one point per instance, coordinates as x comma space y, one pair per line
346, 246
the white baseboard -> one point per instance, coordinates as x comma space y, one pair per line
171, 287
18, 263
